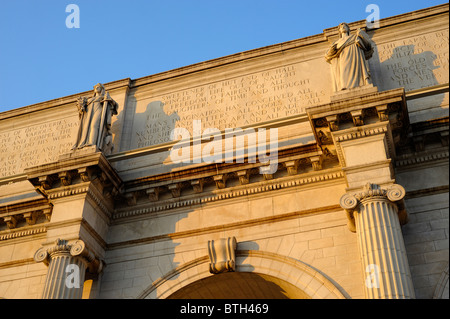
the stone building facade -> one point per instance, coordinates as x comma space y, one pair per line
247, 176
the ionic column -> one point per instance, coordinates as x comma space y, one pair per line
67, 264
375, 215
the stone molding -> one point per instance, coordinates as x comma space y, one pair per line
380, 130
442, 287
361, 115
25, 219
303, 164
75, 170
421, 159
23, 232
296, 272
78, 173
223, 227
234, 192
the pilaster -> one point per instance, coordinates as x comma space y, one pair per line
67, 266
376, 215
363, 128
81, 188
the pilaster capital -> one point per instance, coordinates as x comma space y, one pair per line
394, 194
76, 249
371, 191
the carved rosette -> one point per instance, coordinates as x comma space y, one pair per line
373, 192
222, 255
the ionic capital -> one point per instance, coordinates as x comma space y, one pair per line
77, 249
371, 192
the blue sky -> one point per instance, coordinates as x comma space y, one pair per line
41, 59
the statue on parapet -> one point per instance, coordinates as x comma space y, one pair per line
348, 58
95, 115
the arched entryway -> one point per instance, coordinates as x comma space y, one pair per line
239, 285
258, 275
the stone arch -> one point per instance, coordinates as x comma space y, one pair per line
313, 283
442, 287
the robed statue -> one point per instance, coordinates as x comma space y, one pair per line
95, 115
348, 58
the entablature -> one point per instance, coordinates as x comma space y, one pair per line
303, 166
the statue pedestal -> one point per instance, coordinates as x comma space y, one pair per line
87, 150
349, 93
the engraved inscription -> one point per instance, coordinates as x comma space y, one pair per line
231, 103
35, 145
415, 62
155, 125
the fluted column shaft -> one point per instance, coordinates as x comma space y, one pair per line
374, 215
67, 265
58, 284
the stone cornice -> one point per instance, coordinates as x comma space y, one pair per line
209, 181
364, 112
353, 103
32, 212
78, 173
425, 158
303, 180
208, 170
23, 232
71, 167
69, 99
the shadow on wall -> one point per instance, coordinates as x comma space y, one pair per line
155, 126
151, 127
408, 68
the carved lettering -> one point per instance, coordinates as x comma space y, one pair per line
235, 102
415, 62
35, 145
